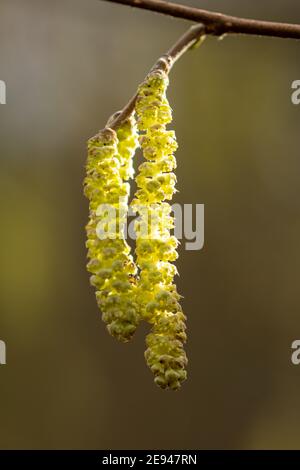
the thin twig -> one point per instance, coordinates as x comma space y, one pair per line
217, 23
164, 63
208, 23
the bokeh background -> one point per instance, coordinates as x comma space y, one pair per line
68, 65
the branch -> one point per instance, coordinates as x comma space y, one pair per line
208, 23
217, 23
192, 37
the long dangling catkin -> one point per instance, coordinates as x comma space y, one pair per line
109, 166
155, 247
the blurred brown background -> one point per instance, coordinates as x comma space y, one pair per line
68, 65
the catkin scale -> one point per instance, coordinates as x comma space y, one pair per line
111, 265
155, 247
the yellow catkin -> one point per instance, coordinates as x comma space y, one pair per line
155, 247
109, 166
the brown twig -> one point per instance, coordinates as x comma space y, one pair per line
217, 23
209, 22
164, 63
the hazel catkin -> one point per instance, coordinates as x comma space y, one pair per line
111, 265
155, 247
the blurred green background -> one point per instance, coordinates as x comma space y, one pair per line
68, 65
